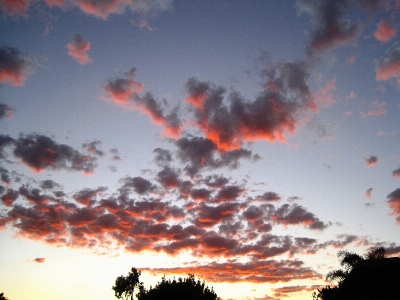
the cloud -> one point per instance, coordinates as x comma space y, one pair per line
125, 91
40, 152
6, 111
389, 66
14, 66
168, 178
98, 8
396, 173
378, 109
271, 116
371, 161
368, 193
138, 184
78, 49
325, 97
201, 153
295, 214
268, 196
92, 148
270, 271
385, 32
394, 204
13, 7
39, 260
331, 28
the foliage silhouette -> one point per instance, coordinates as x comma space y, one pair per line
182, 289
125, 285
348, 261
2, 297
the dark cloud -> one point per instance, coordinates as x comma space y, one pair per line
88, 196
269, 197
138, 184
229, 193
201, 152
14, 66
215, 181
163, 156
394, 204
274, 113
40, 260
206, 216
6, 111
368, 193
330, 27
4, 174
371, 161
295, 214
78, 49
168, 178
40, 152
92, 148
389, 66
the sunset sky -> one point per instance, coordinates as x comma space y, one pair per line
245, 142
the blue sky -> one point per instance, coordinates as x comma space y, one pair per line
195, 136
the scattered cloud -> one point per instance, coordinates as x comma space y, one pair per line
385, 32
377, 109
78, 49
14, 66
6, 111
371, 161
389, 66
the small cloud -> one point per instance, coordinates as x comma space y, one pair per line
78, 49
396, 173
394, 204
368, 193
371, 161
351, 59
385, 32
39, 260
14, 66
352, 95
389, 66
377, 109
6, 111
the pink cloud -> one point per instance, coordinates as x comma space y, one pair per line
78, 48
368, 193
6, 111
325, 97
351, 59
377, 109
389, 66
14, 66
371, 161
15, 6
385, 32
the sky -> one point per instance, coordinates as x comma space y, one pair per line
244, 142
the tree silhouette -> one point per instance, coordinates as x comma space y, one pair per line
348, 261
125, 285
183, 288
2, 297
